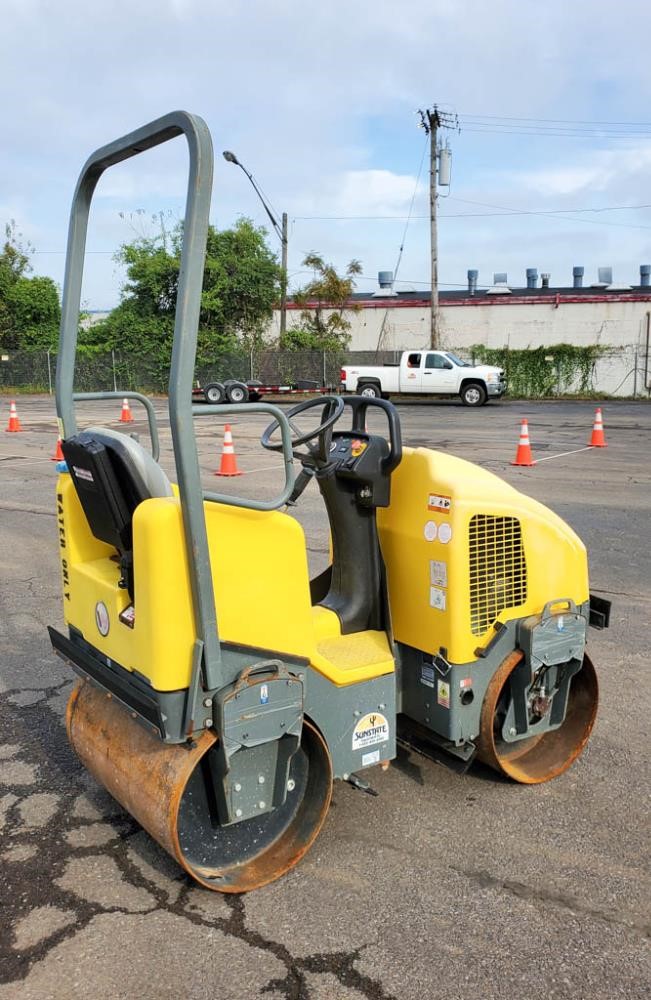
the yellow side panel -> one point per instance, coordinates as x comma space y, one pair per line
261, 578
159, 646
424, 536
261, 583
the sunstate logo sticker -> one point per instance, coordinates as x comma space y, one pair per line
370, 730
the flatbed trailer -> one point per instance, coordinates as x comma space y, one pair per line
233, 391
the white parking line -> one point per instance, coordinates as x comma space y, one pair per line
562, 454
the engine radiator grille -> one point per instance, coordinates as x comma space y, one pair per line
498, 571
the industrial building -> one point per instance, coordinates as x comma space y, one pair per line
614, 315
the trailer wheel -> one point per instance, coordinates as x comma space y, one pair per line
369, 389
473, 394
214, 393
237, 392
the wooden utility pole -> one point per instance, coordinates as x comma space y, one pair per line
283, 286
431, 120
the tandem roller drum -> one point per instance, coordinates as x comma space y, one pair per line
539, 758
167, 789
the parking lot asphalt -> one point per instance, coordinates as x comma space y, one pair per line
443, 885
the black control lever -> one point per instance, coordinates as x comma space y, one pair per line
359, 405
306, 474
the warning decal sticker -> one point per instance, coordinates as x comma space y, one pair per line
438, 573
437, 598
427, 675
83, 474
440, 503
443, 693
371, 729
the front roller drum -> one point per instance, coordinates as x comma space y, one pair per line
168, 790
539, 758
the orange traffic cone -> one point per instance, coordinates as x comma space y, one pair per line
14, 423
125, 416
228, 465
523, 454
598, 439
58, 454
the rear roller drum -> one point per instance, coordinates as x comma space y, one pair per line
167, 789
543, 756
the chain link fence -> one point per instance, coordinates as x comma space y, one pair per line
36, 372
623, 371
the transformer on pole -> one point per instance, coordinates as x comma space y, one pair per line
439, 176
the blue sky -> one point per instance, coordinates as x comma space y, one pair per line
318, 101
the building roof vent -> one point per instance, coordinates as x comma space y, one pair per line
532, 277
500, 284
604, 277
385, 281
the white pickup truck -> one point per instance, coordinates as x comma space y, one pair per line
439, 373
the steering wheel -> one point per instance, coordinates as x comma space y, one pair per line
333, 407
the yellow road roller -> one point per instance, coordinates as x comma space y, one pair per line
221, 690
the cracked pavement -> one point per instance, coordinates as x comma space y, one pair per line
442, 886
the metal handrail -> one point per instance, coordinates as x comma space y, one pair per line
219, 409
138, 396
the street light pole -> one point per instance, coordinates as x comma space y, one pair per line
281, 233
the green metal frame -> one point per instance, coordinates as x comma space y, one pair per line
181, 410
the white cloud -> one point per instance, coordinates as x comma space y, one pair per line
359, 193
593, 173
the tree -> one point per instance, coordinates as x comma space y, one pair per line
325, 300
30, 312
241, 283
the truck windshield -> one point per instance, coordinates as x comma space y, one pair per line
457, 361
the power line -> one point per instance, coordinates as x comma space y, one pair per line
64, 251
472, 215
578, 129
555, 211
380, 339
555, 214
501, 211
554, 127
481, 130
557, 121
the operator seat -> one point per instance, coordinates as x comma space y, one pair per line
113, 474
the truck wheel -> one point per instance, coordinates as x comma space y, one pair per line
237, 392
370, 390
473, 394
214, 393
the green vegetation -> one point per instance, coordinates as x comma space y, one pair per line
241, 285
29, 307
538, 372
327, 292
